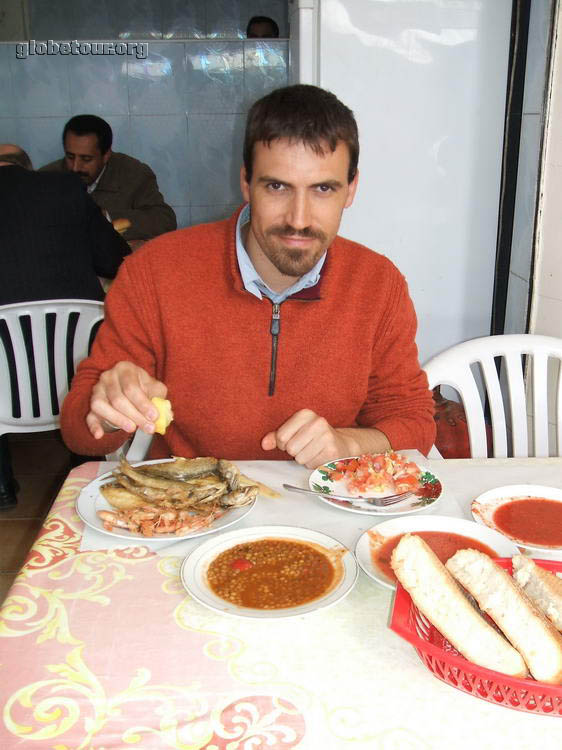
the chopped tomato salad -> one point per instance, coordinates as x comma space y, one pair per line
380, 474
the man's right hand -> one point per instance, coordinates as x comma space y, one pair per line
121, 400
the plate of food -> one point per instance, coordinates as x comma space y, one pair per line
269, 572
167, 499
358, 478
445, 535
530, 515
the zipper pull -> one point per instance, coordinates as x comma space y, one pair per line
275, 319
274, 329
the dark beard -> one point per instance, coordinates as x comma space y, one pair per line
292, 261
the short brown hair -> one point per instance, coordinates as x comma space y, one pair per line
90, 125
305, 114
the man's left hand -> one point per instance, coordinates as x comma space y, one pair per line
310, 440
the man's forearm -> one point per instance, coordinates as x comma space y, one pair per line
364, 440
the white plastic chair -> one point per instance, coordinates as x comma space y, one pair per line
58, 335
524, 357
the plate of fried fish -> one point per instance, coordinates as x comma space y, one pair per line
166, 499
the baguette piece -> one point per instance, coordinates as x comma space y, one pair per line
543, 587
497, 594
439, 597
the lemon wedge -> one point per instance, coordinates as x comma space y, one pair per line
165, 414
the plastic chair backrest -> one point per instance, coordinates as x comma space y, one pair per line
41, 344
518, 352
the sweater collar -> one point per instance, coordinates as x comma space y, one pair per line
246, 277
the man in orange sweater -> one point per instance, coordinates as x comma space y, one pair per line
272, 336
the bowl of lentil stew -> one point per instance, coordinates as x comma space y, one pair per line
269, 572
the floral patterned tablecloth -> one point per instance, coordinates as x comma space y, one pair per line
105, 649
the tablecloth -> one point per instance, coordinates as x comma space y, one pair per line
105, 649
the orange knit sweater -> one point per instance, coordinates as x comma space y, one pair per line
178, 309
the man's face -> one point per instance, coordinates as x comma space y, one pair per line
297, 198
82, 155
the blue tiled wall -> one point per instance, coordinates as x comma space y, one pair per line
181, 110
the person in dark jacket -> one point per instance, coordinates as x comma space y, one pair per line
54, 244
55, 241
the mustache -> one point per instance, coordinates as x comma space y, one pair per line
284, 230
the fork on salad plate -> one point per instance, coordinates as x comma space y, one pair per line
380, 502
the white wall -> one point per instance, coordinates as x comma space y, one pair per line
546, 306
427, 83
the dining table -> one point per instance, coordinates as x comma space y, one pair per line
102, 646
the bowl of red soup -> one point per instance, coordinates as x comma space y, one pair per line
445, 535
530, 515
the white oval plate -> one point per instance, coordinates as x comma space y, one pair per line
90, 500
194, 570
320, 482
386, 529
486, 504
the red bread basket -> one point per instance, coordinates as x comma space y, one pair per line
449, 666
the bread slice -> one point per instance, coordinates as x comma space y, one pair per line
439, 597
542, 587
121, 225
497, 594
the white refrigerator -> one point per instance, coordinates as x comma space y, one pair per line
426, 80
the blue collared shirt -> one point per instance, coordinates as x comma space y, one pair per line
251, 279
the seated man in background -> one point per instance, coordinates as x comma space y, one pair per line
54, 244
272, 336
122, 186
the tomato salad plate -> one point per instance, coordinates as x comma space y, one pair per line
90, 502
358, 478
445, 535
530, 515
269, 572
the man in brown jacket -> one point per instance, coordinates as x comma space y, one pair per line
123, 187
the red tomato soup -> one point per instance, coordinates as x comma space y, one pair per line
532, 520
441, 542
